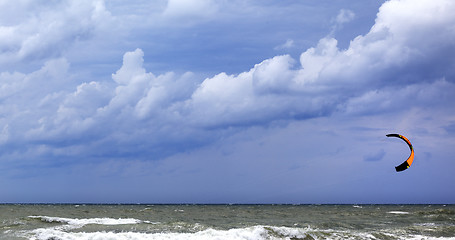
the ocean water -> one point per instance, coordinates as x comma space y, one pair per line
59, 222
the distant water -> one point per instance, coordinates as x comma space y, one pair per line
60, 222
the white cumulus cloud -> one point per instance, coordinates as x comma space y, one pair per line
149, 115
39, 30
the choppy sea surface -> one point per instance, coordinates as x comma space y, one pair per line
59, 222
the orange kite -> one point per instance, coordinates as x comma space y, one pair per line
406, 164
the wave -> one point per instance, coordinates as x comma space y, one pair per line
398, 212
254, 232
77, 223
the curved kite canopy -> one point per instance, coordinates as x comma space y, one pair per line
406, 164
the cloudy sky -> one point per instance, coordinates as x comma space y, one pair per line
213, 101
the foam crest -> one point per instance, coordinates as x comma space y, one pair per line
256, 232
398, 212
249, 233
85, 221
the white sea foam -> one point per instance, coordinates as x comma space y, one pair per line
248, 233
234, 234
72, 223
64, 231
421, 237
398, 212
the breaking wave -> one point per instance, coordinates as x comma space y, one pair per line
398, 212
82, 222
69, 228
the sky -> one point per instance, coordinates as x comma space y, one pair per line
214, 101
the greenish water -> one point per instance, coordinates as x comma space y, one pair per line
52, 222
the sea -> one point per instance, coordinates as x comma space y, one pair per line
306, 222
